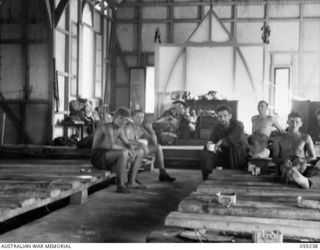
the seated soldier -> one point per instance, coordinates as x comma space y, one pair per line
292, 151
106, 153
263, 123
230, 144
258, 146
135, 131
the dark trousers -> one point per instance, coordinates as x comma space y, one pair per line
210, 160
227, 158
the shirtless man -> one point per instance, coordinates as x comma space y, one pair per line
135, 131
292, 151
263, 123
105, 152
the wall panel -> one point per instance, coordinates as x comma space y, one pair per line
154, 12
147, 34
12, 74
284, 36
39, 71
311, 35
209, 69
181, 32
185, 12
283, 9
311, 10
250, 11
249, 32
126, 13
127, 36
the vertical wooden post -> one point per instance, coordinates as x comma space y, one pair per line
234, 40
3, 127
139, 34
113, 60
266, 59
301, 44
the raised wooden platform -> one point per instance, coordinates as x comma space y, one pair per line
29, 184
262, 203
182, 156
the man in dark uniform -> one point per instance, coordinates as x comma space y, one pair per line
230, 144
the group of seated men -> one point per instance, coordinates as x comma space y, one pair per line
292, 151
117, 145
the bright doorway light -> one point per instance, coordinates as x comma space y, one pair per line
149, 90
282, 98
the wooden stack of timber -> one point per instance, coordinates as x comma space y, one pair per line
262, 203
30, 184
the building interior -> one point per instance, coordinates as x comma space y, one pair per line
76, 62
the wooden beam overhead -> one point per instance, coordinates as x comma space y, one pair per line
59, 10
216, 2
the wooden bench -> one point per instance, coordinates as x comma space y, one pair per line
30, 184
262, 203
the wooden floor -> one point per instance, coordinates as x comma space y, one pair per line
262, 203
29, 184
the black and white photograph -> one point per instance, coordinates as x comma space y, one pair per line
159, 121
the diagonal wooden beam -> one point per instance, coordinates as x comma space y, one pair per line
122, 58
13, 117
59, 10
48, 7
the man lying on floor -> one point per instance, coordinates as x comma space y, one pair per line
142, 135
106, 154
229, 142
292, 151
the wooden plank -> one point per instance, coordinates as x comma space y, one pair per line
76, 169
43, 152
15, 202
254, 183
50, 171
63, 184
82, 178
247, 208
4, 173
258, 190
46, 165
8, 161
6, 213
253, 197
234, 224
36, 193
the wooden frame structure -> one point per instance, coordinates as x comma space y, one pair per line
170, 21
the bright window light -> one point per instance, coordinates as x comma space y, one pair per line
149, 90
87, 64
282, 93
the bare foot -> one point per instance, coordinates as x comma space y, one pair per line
136, 186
